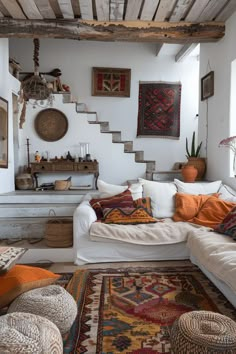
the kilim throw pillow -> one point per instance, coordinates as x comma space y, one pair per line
127, 216
144, 202
228, 225
9, 256
121, 200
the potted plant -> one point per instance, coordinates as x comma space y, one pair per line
194, 158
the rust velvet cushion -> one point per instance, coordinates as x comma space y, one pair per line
22, 278
127, 216
205, 210
187, 206
122, 200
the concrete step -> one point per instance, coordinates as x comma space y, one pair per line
44, 197
36, 210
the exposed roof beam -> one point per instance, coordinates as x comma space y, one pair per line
149, 9
86, 9
158, 48
66, 8
102, 7
133, 31
13, 8
185, 51
227, 11
132, 10
44, 8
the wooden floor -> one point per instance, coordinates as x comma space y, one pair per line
70, 267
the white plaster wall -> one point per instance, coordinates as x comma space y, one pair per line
76, 59
214, 113
112, 161
8, 85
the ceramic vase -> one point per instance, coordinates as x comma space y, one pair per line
200, 164
189, 173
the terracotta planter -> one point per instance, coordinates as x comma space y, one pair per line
189, 173
200, 164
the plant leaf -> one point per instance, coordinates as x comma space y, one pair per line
193, 154
198, 149
187, 151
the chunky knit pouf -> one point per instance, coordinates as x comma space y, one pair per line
52, 302
26, 333
203, 332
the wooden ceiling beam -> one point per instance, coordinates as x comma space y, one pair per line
133, 31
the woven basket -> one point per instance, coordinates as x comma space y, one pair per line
61, 185
59, 232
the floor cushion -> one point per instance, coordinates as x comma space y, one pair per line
52, 302
203, 332
20, 279
28, 333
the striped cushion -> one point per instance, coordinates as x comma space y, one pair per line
121, 200
127, 216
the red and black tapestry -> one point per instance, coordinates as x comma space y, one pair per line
159, 109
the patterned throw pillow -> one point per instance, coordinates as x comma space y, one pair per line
127, 216
228, 225
9, 256
144, 202
121, 200
22, 278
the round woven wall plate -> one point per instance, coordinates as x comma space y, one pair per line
51, 124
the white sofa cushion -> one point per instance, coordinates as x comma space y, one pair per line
216, 253
162, 197
227, 193
197, 187
108, 190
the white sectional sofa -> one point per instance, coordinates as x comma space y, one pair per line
213, 253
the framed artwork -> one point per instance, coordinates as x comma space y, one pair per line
207, 86
159, 109
3, 133
113, 82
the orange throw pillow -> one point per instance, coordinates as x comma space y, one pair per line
187, 206
212, 212
22, 278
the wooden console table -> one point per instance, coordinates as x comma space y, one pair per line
64, 166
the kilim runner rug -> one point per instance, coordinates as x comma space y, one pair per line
132, 310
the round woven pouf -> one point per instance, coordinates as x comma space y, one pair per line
203, 332
52, 302
26, 333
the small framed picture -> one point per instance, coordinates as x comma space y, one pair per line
207, 86
113, 82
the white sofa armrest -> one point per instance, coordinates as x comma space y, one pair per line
83, 217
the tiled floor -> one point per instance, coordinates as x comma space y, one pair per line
70, 267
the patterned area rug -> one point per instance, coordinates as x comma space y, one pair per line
132, 310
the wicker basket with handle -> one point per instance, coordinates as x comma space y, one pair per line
58, 232
61, 185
